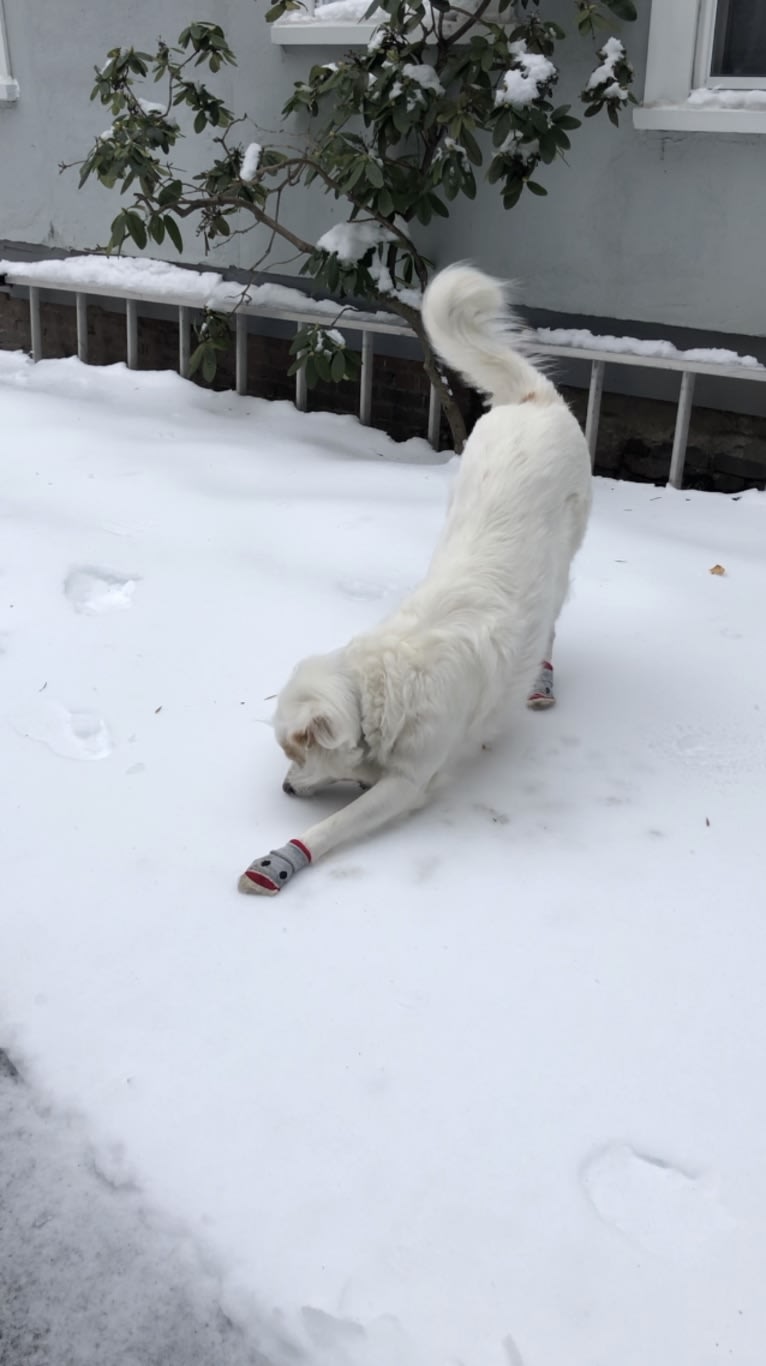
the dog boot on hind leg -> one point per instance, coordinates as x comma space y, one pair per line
542, 695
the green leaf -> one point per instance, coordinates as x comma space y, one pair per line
322, 363
338, 366
173, 232
503, 128
375, 174
170, 194
535, 188
624, 9
136, 228
209, 366
471, 147
438, 207
401, 119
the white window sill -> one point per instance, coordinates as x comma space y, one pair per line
9, 90
318, 32
312, 31
689, 118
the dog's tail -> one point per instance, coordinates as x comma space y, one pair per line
468, 320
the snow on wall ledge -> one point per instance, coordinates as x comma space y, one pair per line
580, 337
152, 280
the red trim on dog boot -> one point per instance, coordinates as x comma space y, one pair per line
303, 848
542, 696
263, 884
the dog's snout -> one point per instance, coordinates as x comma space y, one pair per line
288, 788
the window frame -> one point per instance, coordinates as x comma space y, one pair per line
678, 62
704, 56
9, 88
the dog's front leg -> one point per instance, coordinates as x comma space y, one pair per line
392, 796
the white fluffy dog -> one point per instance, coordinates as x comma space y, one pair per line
396, 707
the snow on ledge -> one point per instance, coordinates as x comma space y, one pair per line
703, 98
579, 338
154, 281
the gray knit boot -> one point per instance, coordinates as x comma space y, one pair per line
267, 876
542, 695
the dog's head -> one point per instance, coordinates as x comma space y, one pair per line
318, 725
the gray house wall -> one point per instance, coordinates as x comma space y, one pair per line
667, 229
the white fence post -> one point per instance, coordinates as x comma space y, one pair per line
434, 417
81, 301
131, 328
365, 379
240, 366
35, 328
681, 434
184, 342
593, 415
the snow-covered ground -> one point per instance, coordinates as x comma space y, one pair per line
488, 1089
88, 1276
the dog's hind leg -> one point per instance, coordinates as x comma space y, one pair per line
542, 695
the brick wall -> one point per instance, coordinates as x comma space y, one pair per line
726, 451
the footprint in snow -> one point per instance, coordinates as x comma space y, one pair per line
73, 734
92, 591
652, 1202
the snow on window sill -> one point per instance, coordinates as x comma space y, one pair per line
336, 23
707, 111
339, 22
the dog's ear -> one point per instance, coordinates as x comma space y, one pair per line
319, 731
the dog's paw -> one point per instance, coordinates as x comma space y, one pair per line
255, 883
266, 876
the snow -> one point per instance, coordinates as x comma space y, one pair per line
144, 278
333, 12
151, 107
526, 81
331, 335
727, 99
423, 75
484, 1089
383, 278
581, 337
134, 276
251, 161
611, 54
351, 241
140, 1292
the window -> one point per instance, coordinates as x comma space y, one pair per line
9, 89
706, 67
737, 50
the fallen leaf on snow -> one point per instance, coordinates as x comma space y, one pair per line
718, 569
